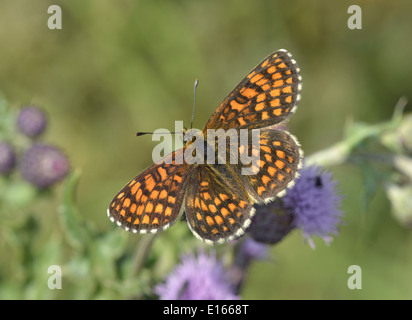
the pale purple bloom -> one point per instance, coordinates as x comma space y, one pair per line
315, 204
43, 165
197, 278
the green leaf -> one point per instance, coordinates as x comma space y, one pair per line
371, 183
76, 230
49, 255
18, 194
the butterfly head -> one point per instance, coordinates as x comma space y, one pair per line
191, 135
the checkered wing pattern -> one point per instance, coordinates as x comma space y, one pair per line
278, 158
266, 97
218, 198
153, 200
218, 208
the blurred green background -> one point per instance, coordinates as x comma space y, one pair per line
118, 67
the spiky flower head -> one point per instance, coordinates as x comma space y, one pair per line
7, 158
44, 165
312, 205
315, 204
197, 278
31, 121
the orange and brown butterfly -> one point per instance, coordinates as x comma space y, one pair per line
217, 199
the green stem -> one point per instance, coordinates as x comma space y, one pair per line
141, 253
356, 134
400, 162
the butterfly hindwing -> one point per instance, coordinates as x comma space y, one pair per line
274, 165
218, 209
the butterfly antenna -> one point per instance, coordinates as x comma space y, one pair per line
194, 103
140, 133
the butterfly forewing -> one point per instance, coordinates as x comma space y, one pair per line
266, 96
153, 200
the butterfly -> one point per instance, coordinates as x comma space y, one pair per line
217, 199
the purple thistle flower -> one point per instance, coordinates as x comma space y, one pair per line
315, 204
312, 205
197, 278
7, 158
31, 121
43, 165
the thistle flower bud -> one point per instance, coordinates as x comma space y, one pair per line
43, 165
31, 121
7, 158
